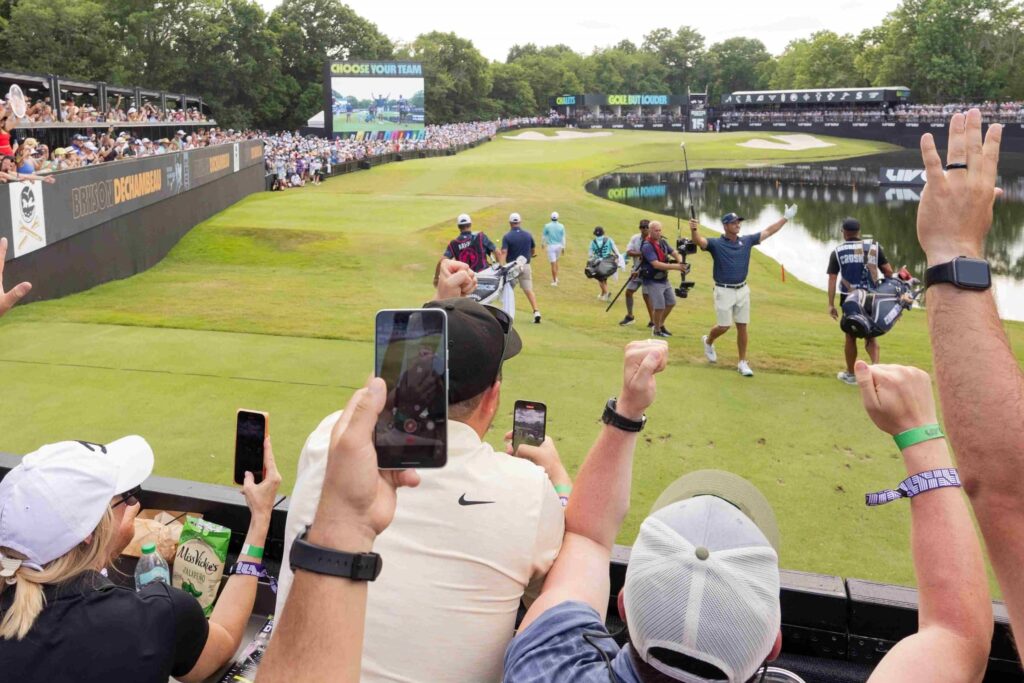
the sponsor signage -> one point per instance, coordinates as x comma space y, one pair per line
620, 193
637, 100
371, 69
824, 96
902, 176
84, 198
566, 101
27, 217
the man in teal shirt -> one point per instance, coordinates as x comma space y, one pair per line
553, 238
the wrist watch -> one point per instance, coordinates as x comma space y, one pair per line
963, 272
320, 560
612, 418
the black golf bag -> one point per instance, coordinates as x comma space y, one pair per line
871, 312
602, 268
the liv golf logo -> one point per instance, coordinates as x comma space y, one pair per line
28, 221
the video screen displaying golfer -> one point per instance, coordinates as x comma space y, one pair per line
376, 104
529, 422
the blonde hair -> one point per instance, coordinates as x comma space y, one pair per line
28, 584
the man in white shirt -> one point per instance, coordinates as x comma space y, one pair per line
633, 251
467, 544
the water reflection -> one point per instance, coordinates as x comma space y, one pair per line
827, 193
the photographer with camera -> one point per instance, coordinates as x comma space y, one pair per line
658, 259
731, 254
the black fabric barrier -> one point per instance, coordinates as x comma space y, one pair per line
129, 243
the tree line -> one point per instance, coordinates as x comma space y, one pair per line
265, 69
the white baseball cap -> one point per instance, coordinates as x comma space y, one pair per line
513, 218
464, 219
554, 215
57, 495
703, 579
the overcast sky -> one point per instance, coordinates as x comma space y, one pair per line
495, 27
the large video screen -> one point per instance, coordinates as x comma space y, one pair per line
367, 97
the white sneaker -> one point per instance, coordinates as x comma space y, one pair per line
847, 377
709, 350
555, 283
536, 316
744, 369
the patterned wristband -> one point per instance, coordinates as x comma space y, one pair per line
564, 500
915, 484
252, 551
911, 437
257, 570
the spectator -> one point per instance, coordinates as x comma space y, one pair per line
9, 172
10, 297
470, 541
714, 533
980, 383
54, 594
321, 622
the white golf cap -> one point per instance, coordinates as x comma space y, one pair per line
464, 219
513, 218
703, 579
57, 495
554, 215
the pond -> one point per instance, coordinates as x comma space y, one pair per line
879, 191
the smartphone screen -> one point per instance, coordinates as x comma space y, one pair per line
250, 432
412, 359
529, 420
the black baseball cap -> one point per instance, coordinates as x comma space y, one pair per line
599, 231
477, 346
851, 225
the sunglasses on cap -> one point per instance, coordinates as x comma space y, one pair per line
131, 497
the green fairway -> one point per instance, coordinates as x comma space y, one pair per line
357, 122
271, 304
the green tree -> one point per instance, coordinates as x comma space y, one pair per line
67, 37
736, 64
825, 60
680, 53
511, 94
458, 77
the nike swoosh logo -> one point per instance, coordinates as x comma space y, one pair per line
463, 501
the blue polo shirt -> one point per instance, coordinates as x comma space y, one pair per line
518, 242
553, 649
732, 259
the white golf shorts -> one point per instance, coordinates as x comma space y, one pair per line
554, 251
732, 306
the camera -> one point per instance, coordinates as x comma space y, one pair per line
684, 247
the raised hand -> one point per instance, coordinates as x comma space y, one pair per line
896, 397
11, 297
790, 212
261, 497
454, 279
644, 359
955, 213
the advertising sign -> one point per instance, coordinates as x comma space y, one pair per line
28, 219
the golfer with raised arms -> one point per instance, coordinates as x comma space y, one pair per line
731, 254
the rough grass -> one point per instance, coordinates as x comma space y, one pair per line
271, 303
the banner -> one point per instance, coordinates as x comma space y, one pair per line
824, 96
373, 97
27, 217
87, 197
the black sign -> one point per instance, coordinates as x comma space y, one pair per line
824, 97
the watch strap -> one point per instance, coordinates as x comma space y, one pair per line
612, 418
940, 273
321, 560
921, 482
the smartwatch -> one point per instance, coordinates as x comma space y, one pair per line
963, 272
320, 560
611, 417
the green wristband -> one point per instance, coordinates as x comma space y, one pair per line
563, 488
917, 435
252, 551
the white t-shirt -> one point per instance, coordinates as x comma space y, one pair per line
635, 243
445, 603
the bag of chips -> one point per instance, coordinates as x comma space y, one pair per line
199, 562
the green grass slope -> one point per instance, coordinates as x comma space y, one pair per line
271, 305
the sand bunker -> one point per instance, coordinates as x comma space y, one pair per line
791, 143
560, 135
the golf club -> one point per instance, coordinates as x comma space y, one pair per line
686, 163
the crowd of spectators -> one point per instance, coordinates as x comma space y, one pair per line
30, 156
991, 112
41, 111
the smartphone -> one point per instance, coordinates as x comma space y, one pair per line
250, 431
411, 356
529, 421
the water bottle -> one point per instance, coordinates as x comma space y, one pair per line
151, 567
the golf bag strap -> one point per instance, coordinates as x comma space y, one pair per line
921, 482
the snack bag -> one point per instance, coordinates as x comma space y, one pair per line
199, 562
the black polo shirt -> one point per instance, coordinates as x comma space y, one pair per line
92, 631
